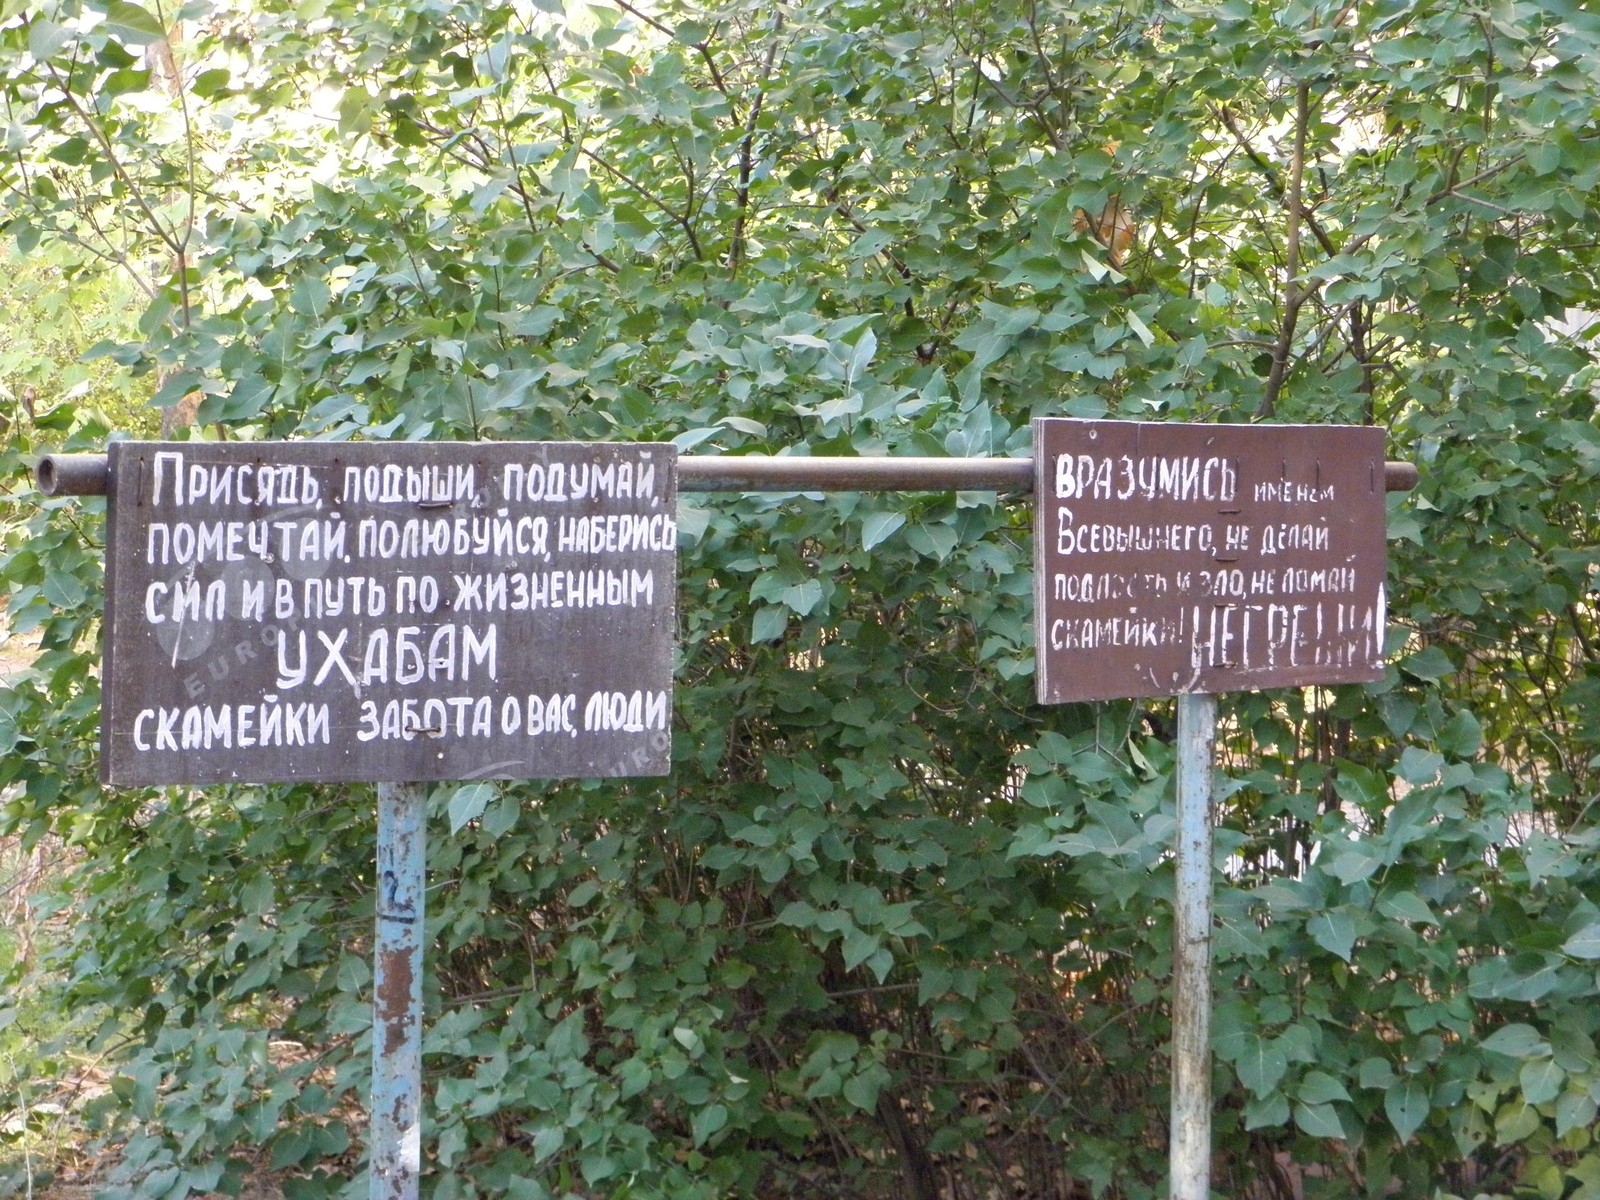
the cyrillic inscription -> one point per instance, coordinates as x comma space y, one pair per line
349, 612
1203, 558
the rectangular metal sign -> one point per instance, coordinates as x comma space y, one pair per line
1175, 558
350, 612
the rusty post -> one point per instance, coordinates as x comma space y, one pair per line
1190, 1143
395, 1150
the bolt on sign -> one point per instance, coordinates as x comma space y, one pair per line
1175, 558
350, 612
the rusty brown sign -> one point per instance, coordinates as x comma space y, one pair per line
1174, 558
388, 612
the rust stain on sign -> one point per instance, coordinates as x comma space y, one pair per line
1175, 558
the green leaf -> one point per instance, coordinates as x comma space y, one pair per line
1574, 1110
502, 818
693, 521
707, 1122
1584, 944
1318, 1120
769, 623
547, 1140
256, 896
73, 151
1525, 977
45, 38
1376, 1073
177, 387
1335, 932
1264, 1112
467, 803
1318, 1087
802, 597
354, 973
1261, 1065
1431, 664
1406, 1105
1516, 1041
1353, 863
858, 947
691, 33
1461, 736
1418, 766
879, 526
64, 590
801, 341
798, 913
1541, 1080
862, 1090
211, 83
1408, 907
289, 1149
250, 395
861, 356
1516, 1121
132, 24
310, 297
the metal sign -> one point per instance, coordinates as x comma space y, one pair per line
1173, 559
388, 612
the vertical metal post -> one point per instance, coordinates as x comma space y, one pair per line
1190, 1151
395, 1134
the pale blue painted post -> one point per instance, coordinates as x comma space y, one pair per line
1190, 1148
395, 1148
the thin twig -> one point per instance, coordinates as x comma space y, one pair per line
682, 222
1279, 192
747, 154
1295, 293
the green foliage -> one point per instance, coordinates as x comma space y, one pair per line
888, 928
52, 323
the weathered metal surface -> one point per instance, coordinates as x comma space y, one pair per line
1400, 476
1176, 558
72, 474
388, 612
394, 1150
85, 474
1190, 1142
800, 473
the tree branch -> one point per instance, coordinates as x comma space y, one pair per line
747, 155
702, 48
682, 222
1279, 192
161, 232
1294, 293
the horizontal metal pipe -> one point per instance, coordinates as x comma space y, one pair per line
797, 473
72, 474
1400, 476
86, 474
